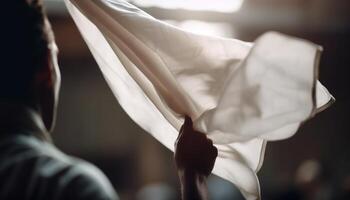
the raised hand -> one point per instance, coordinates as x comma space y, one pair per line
195, 157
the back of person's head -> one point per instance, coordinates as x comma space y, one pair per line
25, 36
29, 74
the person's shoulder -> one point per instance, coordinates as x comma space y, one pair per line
82, 179
44, 163
89, 176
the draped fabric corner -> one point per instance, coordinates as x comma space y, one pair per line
240, 94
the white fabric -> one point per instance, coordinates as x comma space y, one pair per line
239, 94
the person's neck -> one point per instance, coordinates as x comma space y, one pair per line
18, 118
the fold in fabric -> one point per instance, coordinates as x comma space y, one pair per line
240, 94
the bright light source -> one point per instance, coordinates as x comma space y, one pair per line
210, 5
205, 28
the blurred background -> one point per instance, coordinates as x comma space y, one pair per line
314, 164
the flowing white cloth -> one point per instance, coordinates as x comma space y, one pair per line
239, 94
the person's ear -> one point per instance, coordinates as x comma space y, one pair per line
44, 75
44, 91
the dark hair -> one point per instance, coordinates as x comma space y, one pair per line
25, 35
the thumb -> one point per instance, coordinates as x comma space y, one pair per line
188, 122
188, 130
186, 127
